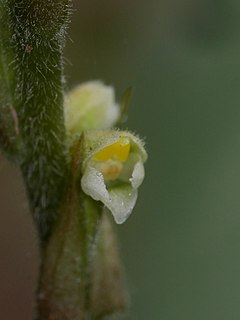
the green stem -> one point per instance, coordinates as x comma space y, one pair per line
36, 37
8, 143
65, 282
9, 131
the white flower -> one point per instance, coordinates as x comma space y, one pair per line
113, 170
90, 105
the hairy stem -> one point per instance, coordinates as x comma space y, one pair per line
65, 282
35, 31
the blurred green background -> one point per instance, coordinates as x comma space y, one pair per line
181, 245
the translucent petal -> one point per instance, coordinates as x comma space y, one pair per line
121, 203
137, 175
119, 200
93, 185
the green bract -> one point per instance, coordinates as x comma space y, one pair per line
113, 170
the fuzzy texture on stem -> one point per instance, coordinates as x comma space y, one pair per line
35, 31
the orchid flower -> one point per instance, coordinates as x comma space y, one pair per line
113, 170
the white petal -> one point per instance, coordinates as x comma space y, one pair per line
121, 203
137, 175
93, 185
119, 200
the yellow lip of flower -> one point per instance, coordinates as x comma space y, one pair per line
118, 150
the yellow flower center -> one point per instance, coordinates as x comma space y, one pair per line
109, 161
118, 150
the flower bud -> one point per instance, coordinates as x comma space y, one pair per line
90, 105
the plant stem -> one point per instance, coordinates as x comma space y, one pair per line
65, 282
36, 37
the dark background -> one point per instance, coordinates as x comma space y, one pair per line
181, 245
